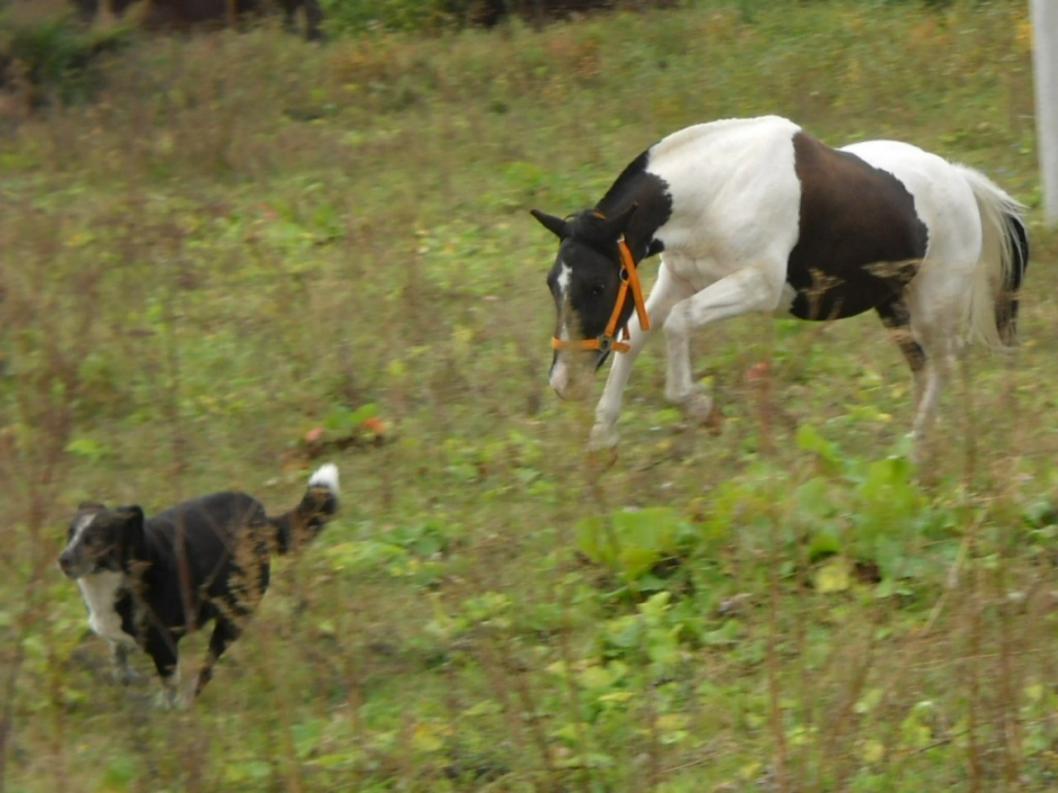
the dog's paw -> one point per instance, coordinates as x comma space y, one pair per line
126, 677
171, 697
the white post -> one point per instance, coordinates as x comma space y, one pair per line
1045, 59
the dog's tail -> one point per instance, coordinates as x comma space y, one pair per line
300, 526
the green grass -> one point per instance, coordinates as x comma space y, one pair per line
245, 237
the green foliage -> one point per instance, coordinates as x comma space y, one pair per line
343, 421
57, 56
364, 15
434, 15
631, 542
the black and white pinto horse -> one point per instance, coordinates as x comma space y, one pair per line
756, 215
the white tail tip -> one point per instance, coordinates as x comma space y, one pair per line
325, 476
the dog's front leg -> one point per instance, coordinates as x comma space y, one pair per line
123, 672
162, 650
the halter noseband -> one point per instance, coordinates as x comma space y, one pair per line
607, 340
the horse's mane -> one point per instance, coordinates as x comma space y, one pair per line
619, 194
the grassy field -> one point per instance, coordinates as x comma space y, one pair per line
245, 239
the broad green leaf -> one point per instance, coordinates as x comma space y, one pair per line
832, 576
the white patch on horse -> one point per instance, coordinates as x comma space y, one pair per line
559, 379
564, 277
786, 300
100, 593
716, 228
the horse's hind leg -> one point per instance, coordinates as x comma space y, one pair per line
897, 319
931, 346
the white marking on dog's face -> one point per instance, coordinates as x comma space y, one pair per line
74, 561
79, 527
95, 542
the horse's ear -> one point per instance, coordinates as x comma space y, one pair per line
618, 224
556, 226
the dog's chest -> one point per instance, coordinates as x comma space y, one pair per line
100, 592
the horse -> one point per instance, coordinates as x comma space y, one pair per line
756, 215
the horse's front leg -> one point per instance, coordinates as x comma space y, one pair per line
667, 292
680, 388
749, 289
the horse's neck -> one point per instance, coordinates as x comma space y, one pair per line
655, 177
654, 207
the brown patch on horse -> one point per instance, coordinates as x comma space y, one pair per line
860, 239
897, 319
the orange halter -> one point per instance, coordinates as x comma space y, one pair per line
607, 340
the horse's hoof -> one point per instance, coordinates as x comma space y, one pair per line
603, 438
602, 459
698, 407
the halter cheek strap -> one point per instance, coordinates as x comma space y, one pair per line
607, 340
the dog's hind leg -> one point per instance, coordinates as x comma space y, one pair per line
162, 650
224, 633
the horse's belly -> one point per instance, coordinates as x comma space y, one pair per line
825, 296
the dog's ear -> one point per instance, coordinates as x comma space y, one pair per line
131, 516
130, 532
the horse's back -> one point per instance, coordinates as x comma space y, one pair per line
847, 229
727, 178
944, 200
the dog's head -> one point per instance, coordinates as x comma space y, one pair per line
100, 539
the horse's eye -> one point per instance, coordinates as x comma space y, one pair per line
597, 290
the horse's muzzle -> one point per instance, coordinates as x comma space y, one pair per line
571, 379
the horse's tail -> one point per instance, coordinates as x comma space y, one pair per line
1001, 268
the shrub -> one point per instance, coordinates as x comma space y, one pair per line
437, 14
55, 55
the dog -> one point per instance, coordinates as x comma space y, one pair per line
148, 582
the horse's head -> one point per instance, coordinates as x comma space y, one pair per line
590, 283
